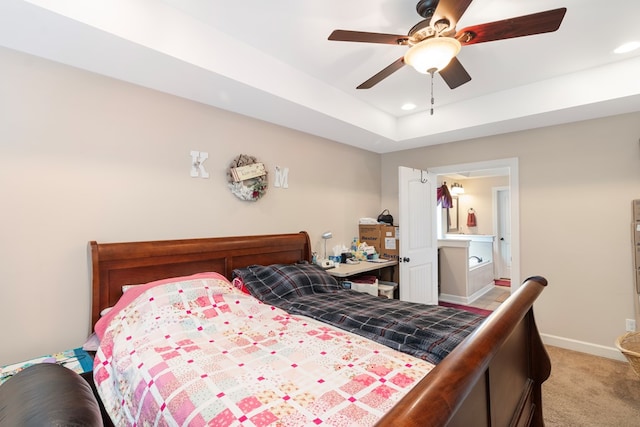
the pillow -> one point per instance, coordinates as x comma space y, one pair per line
278, 282
217, 284
239, 284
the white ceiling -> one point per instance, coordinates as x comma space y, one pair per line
271, 60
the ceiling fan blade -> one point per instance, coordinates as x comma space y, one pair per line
454, 74
364, 37
527, 25
452, 10
383, 74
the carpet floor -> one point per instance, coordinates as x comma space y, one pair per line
585, 391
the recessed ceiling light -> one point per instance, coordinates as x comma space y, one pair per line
627, 47
408, 106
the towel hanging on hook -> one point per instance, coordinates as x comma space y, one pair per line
443, 196
471, 218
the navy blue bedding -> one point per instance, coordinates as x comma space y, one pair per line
424, 331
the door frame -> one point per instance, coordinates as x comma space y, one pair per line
514, 189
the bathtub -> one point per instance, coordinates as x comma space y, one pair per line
465, 267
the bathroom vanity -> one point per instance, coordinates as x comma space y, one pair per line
465, 267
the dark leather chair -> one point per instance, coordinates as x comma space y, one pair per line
45, 395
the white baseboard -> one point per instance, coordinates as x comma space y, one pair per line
453, 299
457, 299
583, 347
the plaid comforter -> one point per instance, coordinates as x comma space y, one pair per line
427, 332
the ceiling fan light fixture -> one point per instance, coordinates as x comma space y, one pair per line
432, 54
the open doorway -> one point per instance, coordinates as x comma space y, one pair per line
509, 206
502, 227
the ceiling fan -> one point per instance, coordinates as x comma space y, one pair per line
434, 42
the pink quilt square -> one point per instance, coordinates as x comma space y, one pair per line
378, 396
264, 418
348, 415
210, 313
223, 419
181, 407
248, 404
202, 301
155, 370
402, 380
358, 383
170, 355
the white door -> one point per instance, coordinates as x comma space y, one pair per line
418, 238
504, 233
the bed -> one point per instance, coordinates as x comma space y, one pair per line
493, 377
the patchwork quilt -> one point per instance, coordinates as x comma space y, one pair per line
196, 351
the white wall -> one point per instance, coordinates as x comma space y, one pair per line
84, 157
577, 182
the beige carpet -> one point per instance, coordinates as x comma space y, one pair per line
585, 390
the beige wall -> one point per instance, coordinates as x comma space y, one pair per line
83, 157
478, 196
576, 186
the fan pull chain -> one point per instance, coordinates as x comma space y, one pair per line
431, 71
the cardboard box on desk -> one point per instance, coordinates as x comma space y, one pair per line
383, 237
370, 234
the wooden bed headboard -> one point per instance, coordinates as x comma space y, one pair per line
116, 264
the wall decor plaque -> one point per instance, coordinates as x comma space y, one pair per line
247, 178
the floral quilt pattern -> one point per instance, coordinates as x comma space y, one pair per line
198, 352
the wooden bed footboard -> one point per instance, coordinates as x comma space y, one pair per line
493, 378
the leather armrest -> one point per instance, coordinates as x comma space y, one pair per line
47, 394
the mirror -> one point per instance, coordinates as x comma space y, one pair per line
453, 216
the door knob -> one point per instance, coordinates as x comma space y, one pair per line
405, 259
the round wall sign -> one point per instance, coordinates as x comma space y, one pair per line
247, 178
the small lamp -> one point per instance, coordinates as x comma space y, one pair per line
326, 236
